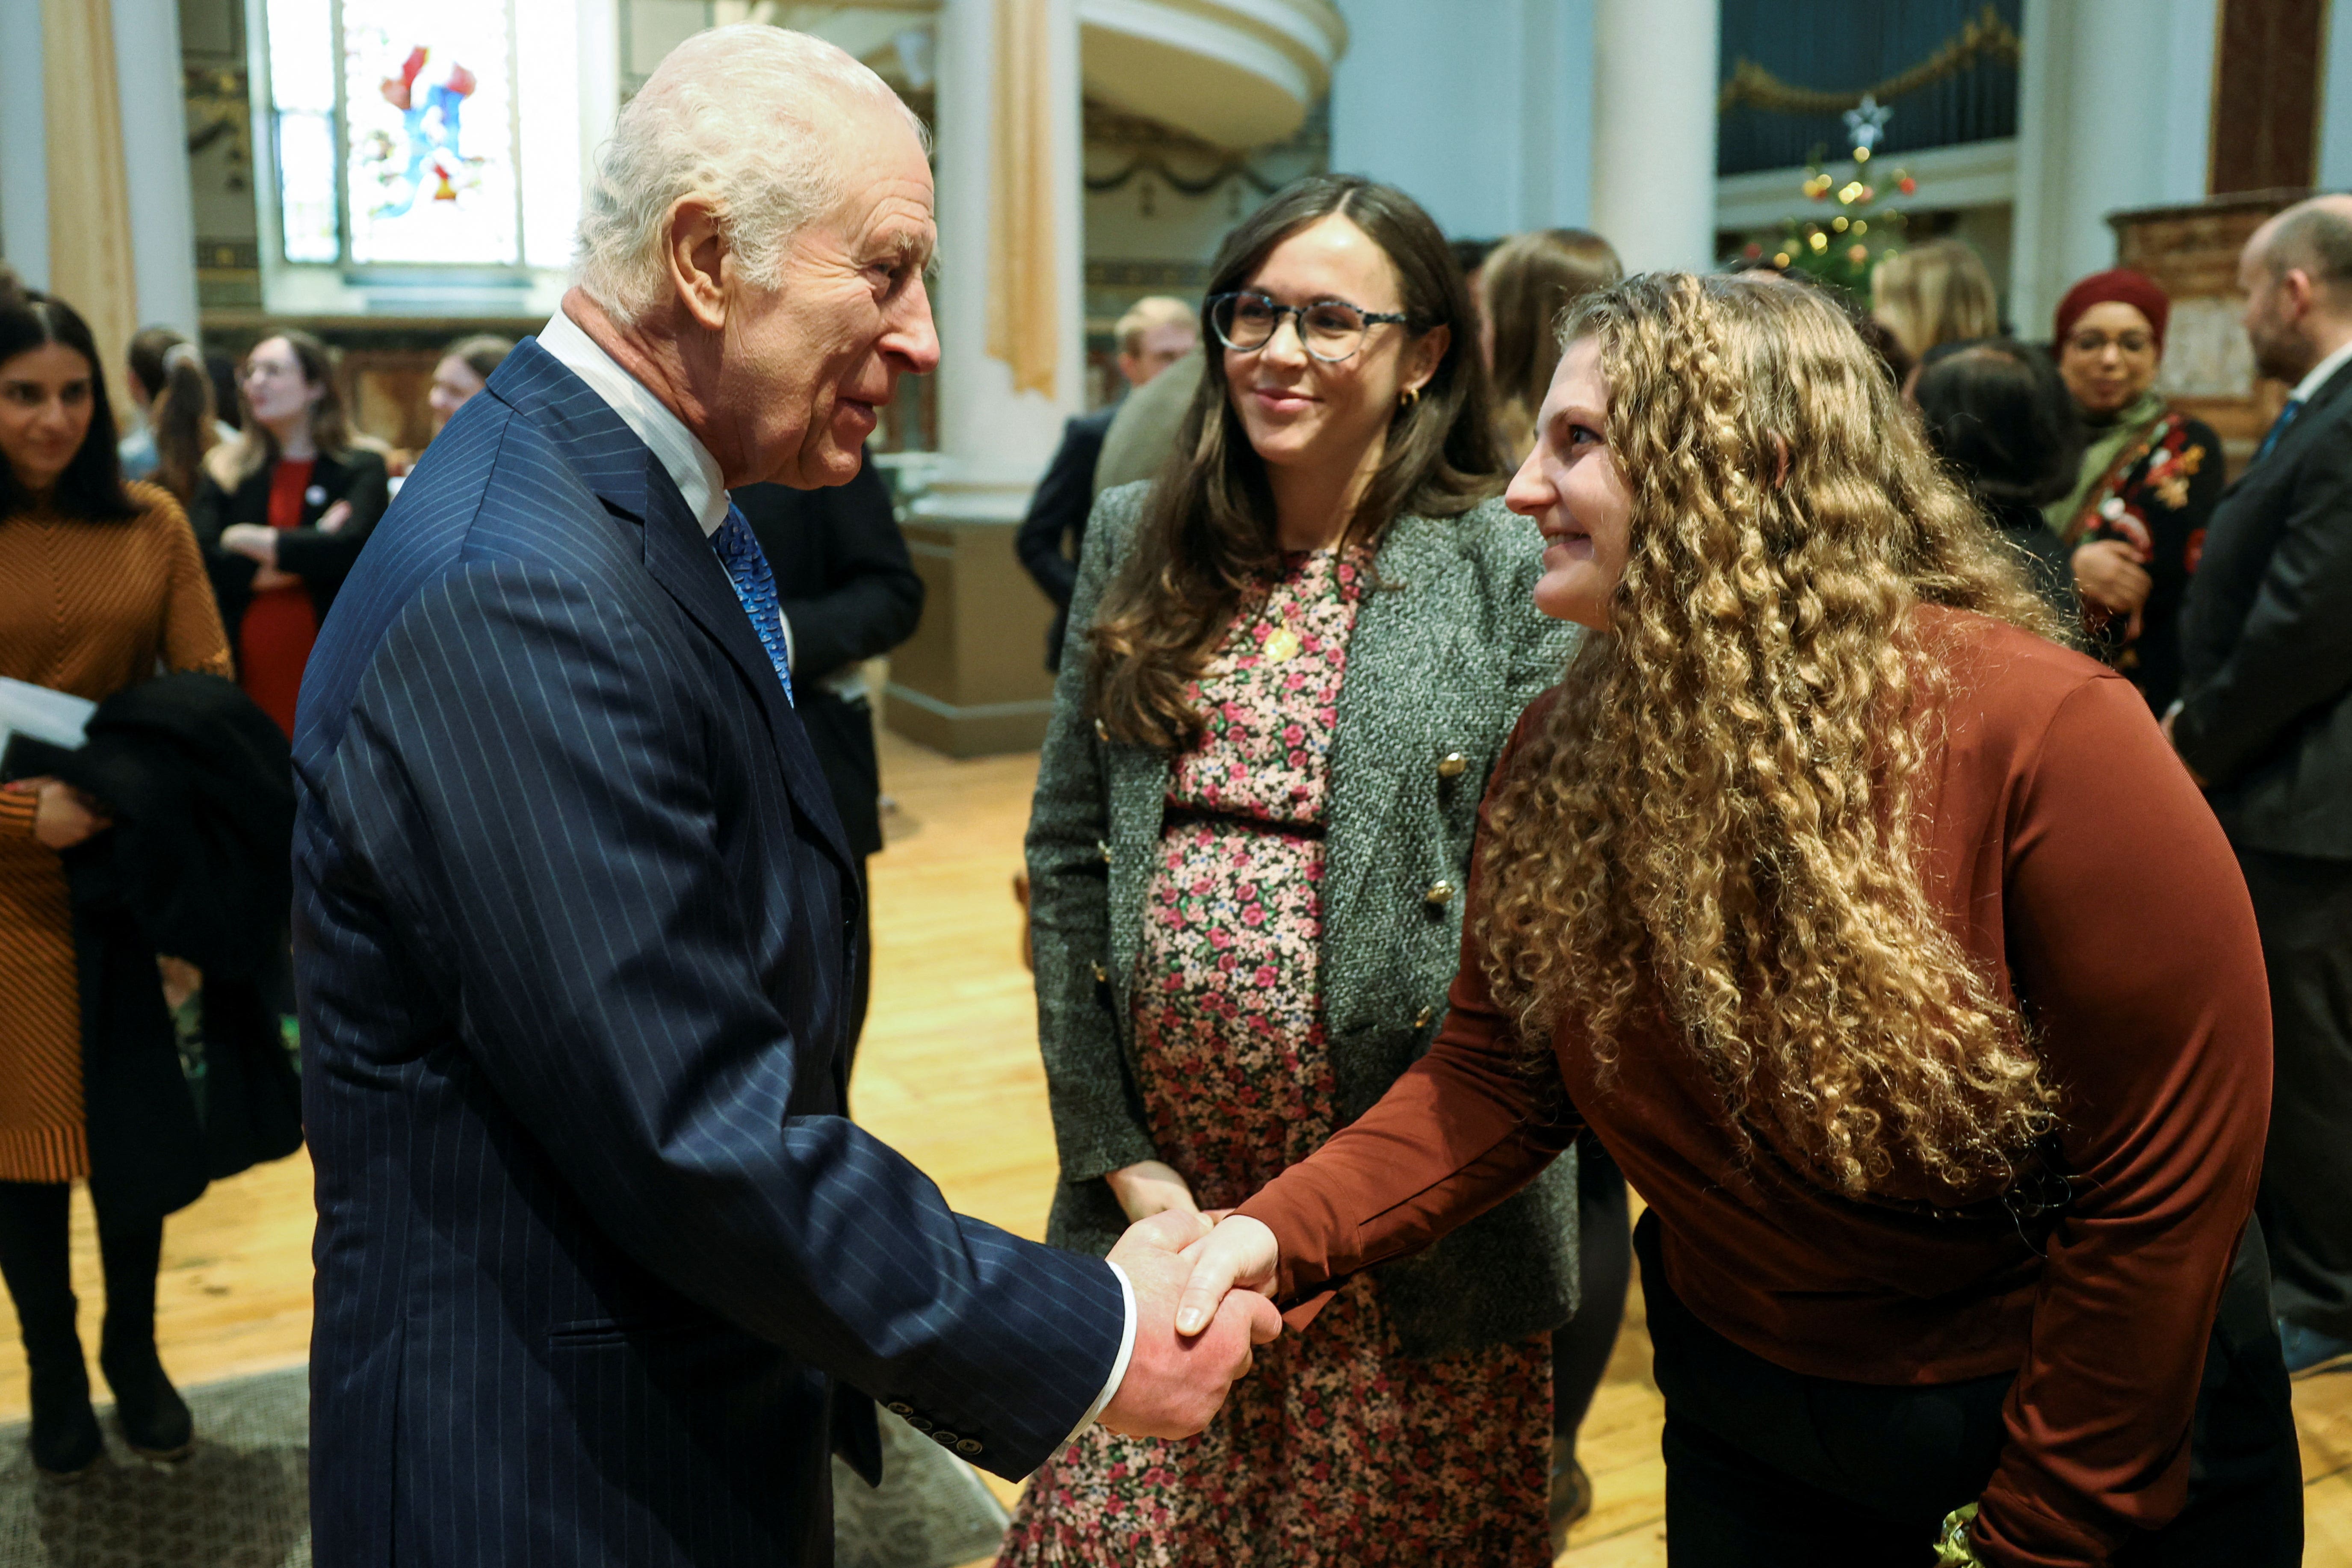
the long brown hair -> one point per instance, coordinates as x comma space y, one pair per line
1713, 824
1209, 525
180, 413
1528, 284
255, 448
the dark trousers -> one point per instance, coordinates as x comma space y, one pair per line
1604, 1267
1769, 1469
2304, 906
34, 1260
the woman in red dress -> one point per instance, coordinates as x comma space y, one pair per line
282, 512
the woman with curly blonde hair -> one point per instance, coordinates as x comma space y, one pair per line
1943, 1065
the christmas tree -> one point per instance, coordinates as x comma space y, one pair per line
1843, 249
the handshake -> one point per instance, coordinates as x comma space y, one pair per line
1200, 1313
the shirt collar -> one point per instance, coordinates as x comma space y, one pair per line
688, 462
2308, 387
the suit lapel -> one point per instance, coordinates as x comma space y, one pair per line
599, 447
680, 559
1385, 727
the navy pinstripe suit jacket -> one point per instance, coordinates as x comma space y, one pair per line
597, 1252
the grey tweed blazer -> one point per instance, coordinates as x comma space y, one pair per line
1440, 662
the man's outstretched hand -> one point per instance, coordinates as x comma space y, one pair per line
1174, 1381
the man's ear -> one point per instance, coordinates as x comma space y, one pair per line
697, 249
2296, 285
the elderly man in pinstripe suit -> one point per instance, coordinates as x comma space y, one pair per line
604, 1273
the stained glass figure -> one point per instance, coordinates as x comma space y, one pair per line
404, 127
426, 85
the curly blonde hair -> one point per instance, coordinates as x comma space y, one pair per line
1712, 824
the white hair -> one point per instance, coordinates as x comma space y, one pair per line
745, 115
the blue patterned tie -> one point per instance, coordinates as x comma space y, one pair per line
2278, 427
755, 586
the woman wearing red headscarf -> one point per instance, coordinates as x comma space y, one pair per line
2149, 479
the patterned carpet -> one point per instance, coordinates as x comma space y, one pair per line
242, 1500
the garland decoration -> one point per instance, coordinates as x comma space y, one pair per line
1987, 37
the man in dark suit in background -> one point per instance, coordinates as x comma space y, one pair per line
848, 593
2265, 723
604, 1272
1155, 334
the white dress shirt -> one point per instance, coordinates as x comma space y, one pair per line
696, 473
2308, 387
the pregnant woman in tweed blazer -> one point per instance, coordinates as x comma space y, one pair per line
1292, 662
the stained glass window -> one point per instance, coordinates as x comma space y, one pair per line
427, 133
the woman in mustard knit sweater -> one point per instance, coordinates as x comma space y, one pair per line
100, 582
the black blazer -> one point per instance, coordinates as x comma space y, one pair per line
321, 560
605, 1272
1057, 513
849, 592
2266, 642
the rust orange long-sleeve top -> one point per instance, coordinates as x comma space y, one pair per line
2075, 859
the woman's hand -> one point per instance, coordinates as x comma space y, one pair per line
331, 521
2108, 574
253, 541
1240, 1254
1150, 1187
62, 816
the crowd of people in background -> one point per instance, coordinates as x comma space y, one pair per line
1298, 636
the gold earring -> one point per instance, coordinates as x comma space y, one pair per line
1408, 397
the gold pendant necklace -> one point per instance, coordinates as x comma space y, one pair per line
1282, 646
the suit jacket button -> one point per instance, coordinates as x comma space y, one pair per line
945, 1438
1102, 975
1104, 850
1102, 730
1439, 895
1421, 1020
968, 1447
899, 1407
1452, 765
919, 1424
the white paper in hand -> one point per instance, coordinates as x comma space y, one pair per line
57, 717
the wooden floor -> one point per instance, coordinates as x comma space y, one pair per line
948, 1074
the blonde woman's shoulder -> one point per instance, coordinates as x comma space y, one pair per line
224, 465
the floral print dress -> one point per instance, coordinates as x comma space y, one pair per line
1338, 1449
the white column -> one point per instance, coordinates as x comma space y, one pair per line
1653, 88
2115, 99
599, 80
996, 441
2335, 101
1555, 89
1515, 80
155, 161
24, 145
